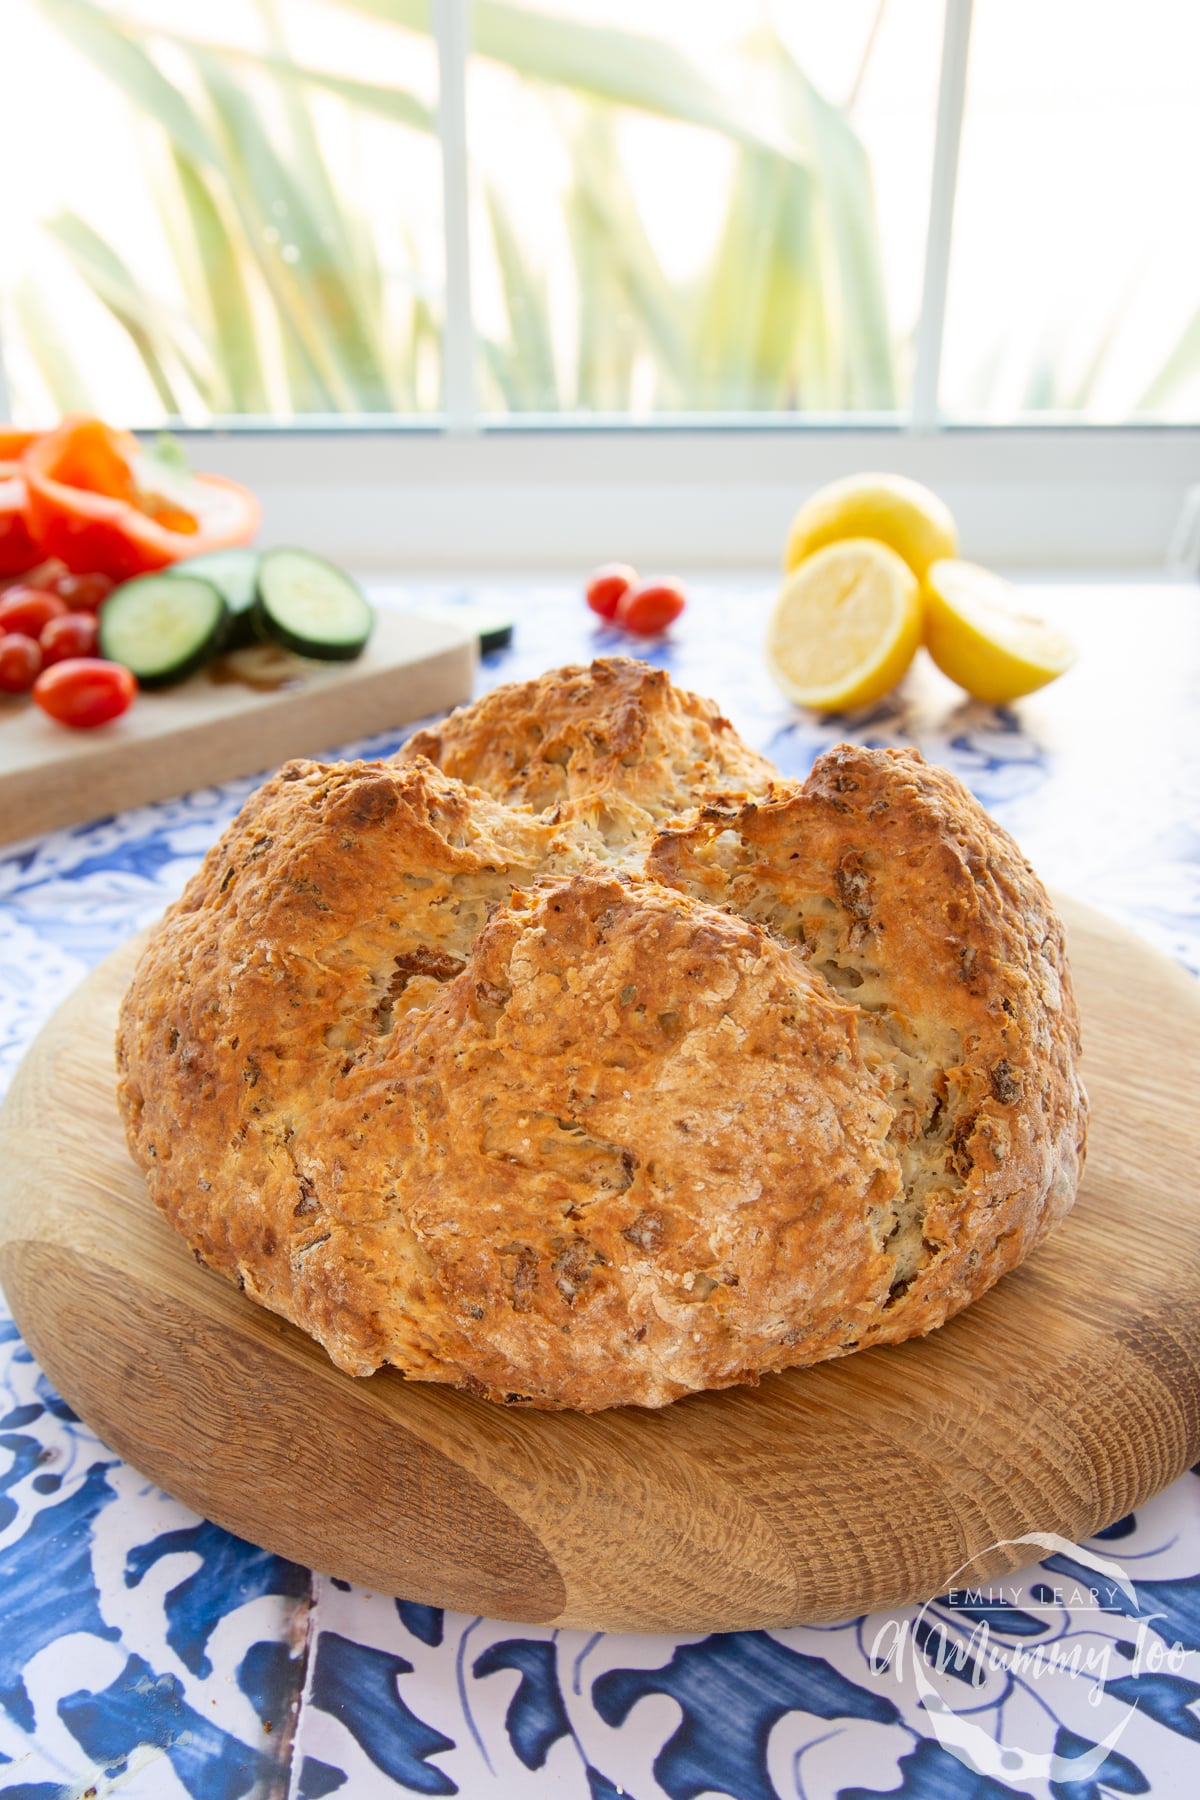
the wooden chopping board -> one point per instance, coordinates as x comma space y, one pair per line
248, 711
1061, 1400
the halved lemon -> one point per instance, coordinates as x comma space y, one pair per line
890, 508
979, 637
845, 627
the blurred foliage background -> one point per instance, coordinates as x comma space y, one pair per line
661, 222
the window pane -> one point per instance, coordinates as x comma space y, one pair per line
1075, 274
232, 208
699, 205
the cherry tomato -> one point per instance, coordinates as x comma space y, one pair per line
649, 609
84, 691
20, 660
74, 634
83, 593
606, 586
47, 575
29, 611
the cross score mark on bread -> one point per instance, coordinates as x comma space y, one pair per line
576, 1059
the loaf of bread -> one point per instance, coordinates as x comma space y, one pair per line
575, 1059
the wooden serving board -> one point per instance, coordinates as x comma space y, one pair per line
1059, 1401
248, 711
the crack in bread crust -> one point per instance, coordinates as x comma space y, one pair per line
597, 1065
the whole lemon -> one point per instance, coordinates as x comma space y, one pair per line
907, 517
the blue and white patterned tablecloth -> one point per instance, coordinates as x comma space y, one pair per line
147, 1654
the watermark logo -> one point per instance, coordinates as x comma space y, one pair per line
980, 1639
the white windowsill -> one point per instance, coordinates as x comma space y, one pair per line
529, 497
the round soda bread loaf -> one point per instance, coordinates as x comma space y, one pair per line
577, 1060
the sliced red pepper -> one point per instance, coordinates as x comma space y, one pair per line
13, 444
18, 552
100, 504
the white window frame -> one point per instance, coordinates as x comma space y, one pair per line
466, 490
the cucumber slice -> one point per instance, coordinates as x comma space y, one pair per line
163, 627
234, 574
493, 628
308, 606
496, 635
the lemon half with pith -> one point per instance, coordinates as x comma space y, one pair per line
979, 637
845, 627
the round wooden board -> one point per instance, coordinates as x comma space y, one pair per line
1059, 1401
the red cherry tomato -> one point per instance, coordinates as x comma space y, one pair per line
47, 575
607, 585
84, 691
20, 660
83, 593
74, 634
29, 611
649, 609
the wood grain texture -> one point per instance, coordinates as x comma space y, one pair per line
207, 730
1062, 1399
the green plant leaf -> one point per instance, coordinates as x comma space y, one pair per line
384, 100
155, 337
499, 364
395, 104
319, 318
215, 262
113, 50
1083, 388
621, 66
415, 15
352, 248
625, 67
626, 304
532, 374
328, 303
863, 367
790, 313
68, 386
1178, 368
1048, 384
349, 239
609, 331
757, 291
167, 453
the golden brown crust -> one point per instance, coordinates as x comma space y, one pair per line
615, 732
922, 912
556, 1089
